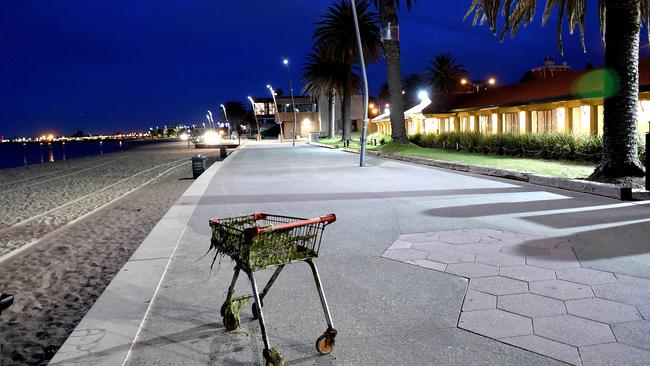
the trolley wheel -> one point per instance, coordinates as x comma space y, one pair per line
324, 346
230, 321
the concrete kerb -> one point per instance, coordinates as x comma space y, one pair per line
106, 333
576, 185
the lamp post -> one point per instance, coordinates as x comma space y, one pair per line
479, 84
364, 125
225, 115
277, 113
258, 137
647, 159
293, 102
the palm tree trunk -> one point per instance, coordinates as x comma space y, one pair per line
388, 15
620, 163
332, 115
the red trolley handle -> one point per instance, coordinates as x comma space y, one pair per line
252, 232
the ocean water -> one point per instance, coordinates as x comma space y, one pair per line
20, 154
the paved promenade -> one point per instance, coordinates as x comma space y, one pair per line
423, 266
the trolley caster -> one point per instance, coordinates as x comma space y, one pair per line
325, 343
273, 357
230, 321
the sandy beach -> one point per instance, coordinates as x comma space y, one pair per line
67, 227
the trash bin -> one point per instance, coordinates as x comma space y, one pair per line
198, 165
314, 137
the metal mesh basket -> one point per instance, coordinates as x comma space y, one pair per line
262, 240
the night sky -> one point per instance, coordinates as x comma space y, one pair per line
109, 65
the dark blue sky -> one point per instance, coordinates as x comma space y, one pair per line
108, 65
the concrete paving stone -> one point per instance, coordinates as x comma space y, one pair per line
498, 285
472, 270
475, 300
602, 310
555, 261
614, 354
546, 347
491, 233
500, 259
495, 323
479, 248
460, 238
531, 305
450, 256
644, 310
404, 254
430, 264
572, 330
527, 273
432, 246
634, 281
561, 290
622, 292
524, 250
417, 237
585, 276
400, 244
635, 334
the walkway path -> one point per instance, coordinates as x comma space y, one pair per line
526, 250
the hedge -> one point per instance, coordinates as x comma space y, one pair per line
555, 146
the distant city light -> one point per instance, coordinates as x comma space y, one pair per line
492, 81
463, 81
184, 136
211, 137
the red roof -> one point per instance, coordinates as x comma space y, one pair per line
568, 85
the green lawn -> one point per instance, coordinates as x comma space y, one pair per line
556, 168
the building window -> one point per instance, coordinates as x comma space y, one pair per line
511, 123
546, 121
485, 124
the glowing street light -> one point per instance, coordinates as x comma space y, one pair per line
277, 113
258, 137
285, 61
478, 84
423, 95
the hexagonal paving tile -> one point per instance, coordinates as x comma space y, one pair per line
546, 347
400, 244
500, 259
561, 290
489, 233
585, 276
614, 354
472, 270
498, 285
495, 323
531, 305
572, 330
527, 273
450, 256
644, 310
404, 254
475, 300
479, 248
524, 250
555, 261
602, 310
464, 238
430, 264
635, 334
634, 281
621, 292
417, 237
432, 246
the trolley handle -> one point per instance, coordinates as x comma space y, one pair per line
253, 232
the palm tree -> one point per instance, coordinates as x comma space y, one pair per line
384, 94
620, 24
388, 16
335, 34
412, 84
322, 79
445, 74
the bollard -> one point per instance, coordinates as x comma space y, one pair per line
198, 165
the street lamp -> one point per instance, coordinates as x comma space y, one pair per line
364, 125
479, 84
225, 115
277, 113
258, 137
293, 102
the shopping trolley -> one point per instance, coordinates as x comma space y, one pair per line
260, 241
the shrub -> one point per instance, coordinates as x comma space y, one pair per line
382, 138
